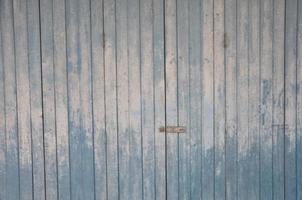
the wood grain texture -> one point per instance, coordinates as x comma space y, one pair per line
207, 130
290, 139
2, 126
111, 99
242, 97
278, 100
230, 43
147, 98
11, 127
34, 62
171, 69
98, 92
85, 86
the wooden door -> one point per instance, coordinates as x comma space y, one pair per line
150, 99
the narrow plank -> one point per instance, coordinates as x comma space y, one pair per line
147, 98
98, 82
254, 99
171, 96
2, 125
135, 133
73, 88
299, 102
110, 95
123, 97
34, 61
219, 100
242, 99
50, 151
23, 99
231, 100
278, 100
195, 83
86, 137
60, 79
266, 96
11, 127
159, 98
290, 99
207, 100
183, 89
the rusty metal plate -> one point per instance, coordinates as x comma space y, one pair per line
173, 129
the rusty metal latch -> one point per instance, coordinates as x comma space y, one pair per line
173, 129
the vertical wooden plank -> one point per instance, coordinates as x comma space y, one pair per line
34, 61
159, 98
110, 95
2, 124
50, 155
60, 79
242, 85
278, 100
290, 99
147, 98
86, 137
135, 132
11, 127
183, 98
23, 99
231, 99
207, 100
219, 99
299, 102
73, 87
171, 97
266, 64
254, 99
196, 99
98, 82
123, 97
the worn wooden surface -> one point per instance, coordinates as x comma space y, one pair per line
85, 86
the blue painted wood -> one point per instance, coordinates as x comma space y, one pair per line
34, 62
266, 98
11, 127
147, 98
299, 102
195, 83
242, 99
231, 99
134, 99
111, 99
159, 98
48, 91
122, 97
183, 99
60, 80
219, 100
74, 110
207, 115
290, 139
85, 86
2, 127
171, 67
98, 84
278, 100
23, 99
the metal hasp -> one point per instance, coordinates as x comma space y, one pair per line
173, 129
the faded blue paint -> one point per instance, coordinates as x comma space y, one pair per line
106, 97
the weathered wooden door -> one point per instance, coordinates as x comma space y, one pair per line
150, 99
